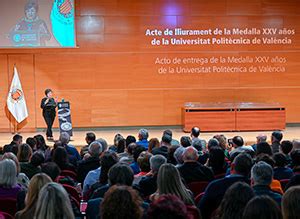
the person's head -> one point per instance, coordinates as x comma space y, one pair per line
280, 160
156, 161
169, 182
136, 152
117, 138
35, 185
212, 143
121, 202
242, 164
51, 169
64, 138
261, 138
18, 139
185, 141
262, 207
60, 157
40, 142
130, 139
233, 203
166, 140
290, 203
131, 148
13, 157
168, 132
295, 156
222, 141
143, 134
153, 143
237, 141
286, 147
53, 203
195, 132
296, 144
49, 93
167, 207
261, 174
95, 149
107, 160
190, 154
121, 145
263, 148
197, 143
104, 144
37, 158
90, 137
144, 161
32, 143
266, 158
171, 159
8, 173
276, 136
120, 174
216, 158
178, 154
24, 153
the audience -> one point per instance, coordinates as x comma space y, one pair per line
191, 170
275, 140
234, 202
214, 193
262, 207
143, 138
120, 181
36, 183
8, 179
261, 178
121, 202
89, 138
53, 203
169, 182
168, 207
90, 163
290, 203
281, 171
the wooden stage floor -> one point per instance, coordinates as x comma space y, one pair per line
290, 133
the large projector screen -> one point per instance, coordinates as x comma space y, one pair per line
37, 23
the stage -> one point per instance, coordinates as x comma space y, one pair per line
78, 138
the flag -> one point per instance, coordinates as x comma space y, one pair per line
62, 21
16, 103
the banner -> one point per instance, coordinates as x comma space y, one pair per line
16, 103
64, 118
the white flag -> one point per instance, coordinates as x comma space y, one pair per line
16, 101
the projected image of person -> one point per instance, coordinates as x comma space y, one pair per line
31, 30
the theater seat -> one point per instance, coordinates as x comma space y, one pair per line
69, 173
4, 215
198, 197
8, 205
72, 192
193, 212
197, 187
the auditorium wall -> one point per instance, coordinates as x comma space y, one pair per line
120, 76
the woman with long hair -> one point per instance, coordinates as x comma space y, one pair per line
35, 185
53, 203
234, 201
169, 182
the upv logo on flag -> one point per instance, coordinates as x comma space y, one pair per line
63, 22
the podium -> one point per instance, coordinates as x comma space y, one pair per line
64, 117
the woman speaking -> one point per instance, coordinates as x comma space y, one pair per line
48, 104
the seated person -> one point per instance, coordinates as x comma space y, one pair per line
192, 170
261, 177
34, 165
89, 138
143, 138
144, 165
281, 171
286, 147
